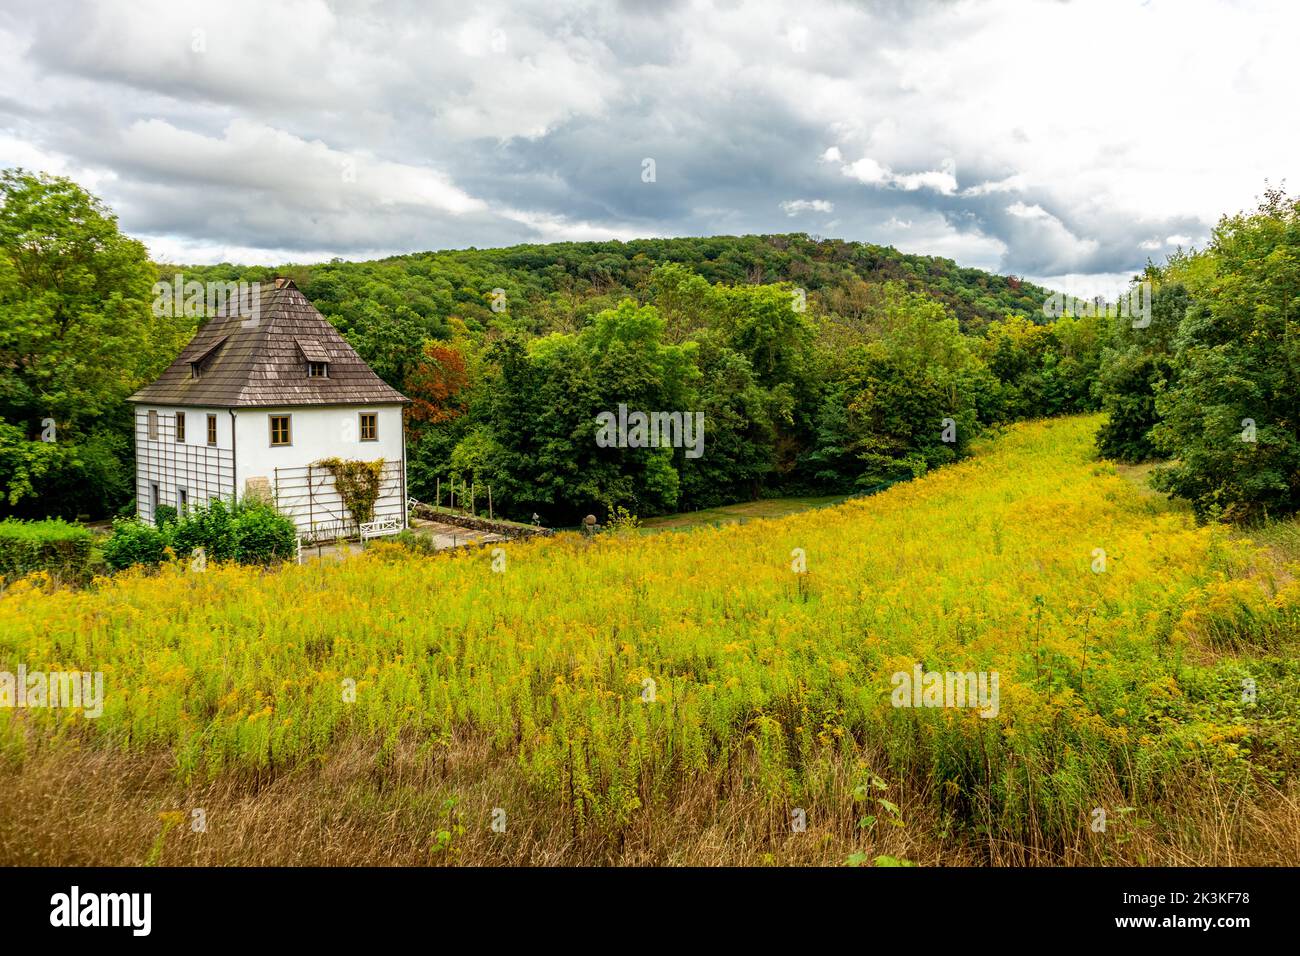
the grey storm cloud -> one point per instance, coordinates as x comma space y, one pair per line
293, 132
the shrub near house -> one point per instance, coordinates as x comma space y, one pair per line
250, 532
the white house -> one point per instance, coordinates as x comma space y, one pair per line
263, 393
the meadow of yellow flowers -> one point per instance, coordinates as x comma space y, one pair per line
1147, 669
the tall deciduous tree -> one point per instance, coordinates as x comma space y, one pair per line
75, 341
1137, 365
1232, 421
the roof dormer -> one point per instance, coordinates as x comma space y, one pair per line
201, 361
316, 357
282, 353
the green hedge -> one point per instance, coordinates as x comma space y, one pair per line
55, 546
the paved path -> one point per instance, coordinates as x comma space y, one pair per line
452, 536
443, 535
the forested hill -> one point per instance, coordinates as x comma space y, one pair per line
818, 365
559, 286
813, 366
821, 364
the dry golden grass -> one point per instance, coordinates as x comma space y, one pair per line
96, 808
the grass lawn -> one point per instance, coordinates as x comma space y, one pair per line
744, 511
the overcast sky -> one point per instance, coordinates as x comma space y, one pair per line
1066, 142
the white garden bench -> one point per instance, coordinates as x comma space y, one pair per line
379, 528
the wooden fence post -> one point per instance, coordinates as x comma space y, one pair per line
489, 502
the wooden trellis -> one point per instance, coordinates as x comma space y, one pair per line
307, 495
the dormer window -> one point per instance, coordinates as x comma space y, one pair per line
204, 359
316, 357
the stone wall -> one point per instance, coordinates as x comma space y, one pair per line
507, 529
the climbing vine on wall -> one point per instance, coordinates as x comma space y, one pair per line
357, 483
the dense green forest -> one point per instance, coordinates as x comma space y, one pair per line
819, 365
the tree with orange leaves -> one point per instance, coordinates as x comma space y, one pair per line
436, 385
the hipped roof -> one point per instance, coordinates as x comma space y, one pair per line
262, 361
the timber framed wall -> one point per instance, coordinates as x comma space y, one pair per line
205, 472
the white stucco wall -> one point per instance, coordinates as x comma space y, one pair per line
196, 423
317, 432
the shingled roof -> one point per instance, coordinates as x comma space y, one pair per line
263, 362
